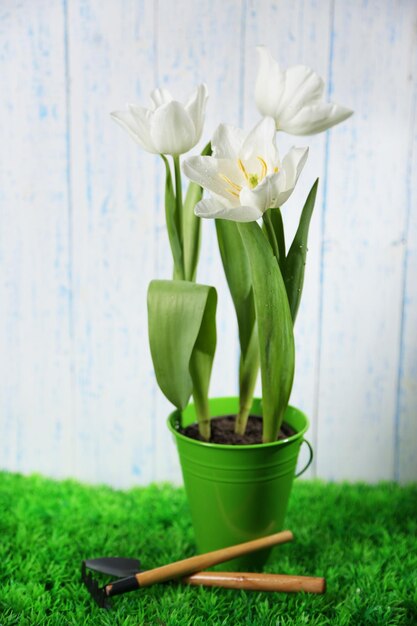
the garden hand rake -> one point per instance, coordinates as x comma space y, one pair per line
188, 570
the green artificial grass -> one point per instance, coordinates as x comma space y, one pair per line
363, 539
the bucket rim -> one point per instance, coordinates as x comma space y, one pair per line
173, 421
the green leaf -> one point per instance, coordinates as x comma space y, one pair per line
238, 275
172, 223
268, 230
297, 255
275, 329
192, 226
248, 375
182, 336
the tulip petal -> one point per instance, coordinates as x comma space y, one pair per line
270, 194
302, 87
139, 134
196, 109
142, 119
207, 171
167, 128
227, 141
212, 208
292, 165
160, 97
275, 190
316, 118
265, 195
294, 98
172, 129
270, 84
260, 142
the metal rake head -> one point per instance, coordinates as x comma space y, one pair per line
118, 567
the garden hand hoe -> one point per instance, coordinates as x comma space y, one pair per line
186, 570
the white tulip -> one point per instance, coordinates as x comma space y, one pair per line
244, 176
294, 98
170, 127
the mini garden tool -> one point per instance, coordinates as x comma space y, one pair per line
123, 567
179, 569
258, 582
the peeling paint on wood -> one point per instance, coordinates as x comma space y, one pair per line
82, 228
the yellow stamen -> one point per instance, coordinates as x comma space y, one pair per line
243, 169
231, 183
276, 170
264, 167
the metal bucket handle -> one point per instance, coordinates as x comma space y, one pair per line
309, 460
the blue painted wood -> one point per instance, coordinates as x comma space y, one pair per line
405, 452
36, 424
83, 228
115, 203
363, 241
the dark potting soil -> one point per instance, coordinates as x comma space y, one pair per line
223, 431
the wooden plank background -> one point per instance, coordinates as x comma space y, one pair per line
82, 228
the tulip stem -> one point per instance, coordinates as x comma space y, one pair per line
179, 206
170, 216
271, 234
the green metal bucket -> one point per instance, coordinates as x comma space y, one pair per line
238, 493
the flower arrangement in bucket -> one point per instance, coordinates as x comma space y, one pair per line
239, 454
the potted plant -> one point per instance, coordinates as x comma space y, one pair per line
239, 454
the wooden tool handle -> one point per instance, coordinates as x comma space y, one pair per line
258, 582
203, 561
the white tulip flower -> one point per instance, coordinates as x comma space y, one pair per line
294, 98
170, 127
244, 176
